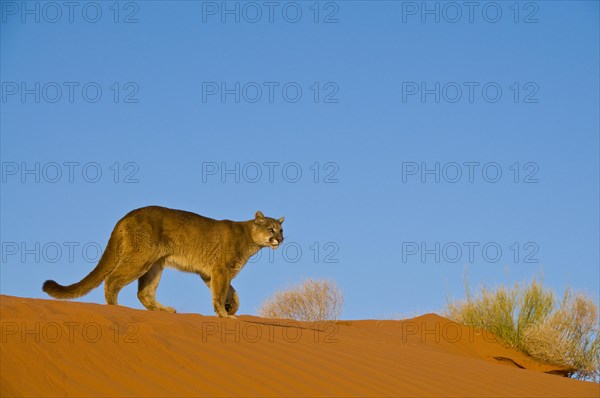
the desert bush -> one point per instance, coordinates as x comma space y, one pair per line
529, 318
568, 337
311, 301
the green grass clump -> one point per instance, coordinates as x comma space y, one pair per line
529, 318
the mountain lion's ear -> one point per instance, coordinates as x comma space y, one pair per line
281, 220
259, 218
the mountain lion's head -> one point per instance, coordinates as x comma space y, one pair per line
267, 232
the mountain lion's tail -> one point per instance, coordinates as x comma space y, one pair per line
108, 262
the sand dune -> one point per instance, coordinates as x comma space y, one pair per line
53, 348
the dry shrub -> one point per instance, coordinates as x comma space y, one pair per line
528, 318
569, 337
506, 312
311, 301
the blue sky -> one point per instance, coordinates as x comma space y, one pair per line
171, 102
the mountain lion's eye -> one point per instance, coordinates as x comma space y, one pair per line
271, 229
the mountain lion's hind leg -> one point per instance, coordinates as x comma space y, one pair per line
147, 285
125, 273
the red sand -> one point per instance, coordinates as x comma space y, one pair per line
54, 348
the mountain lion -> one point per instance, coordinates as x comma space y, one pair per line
148, 239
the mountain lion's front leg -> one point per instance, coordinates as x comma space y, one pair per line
232, 302
219, 286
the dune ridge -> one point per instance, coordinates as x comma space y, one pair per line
57, 348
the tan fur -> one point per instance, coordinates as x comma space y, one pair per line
148, 239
